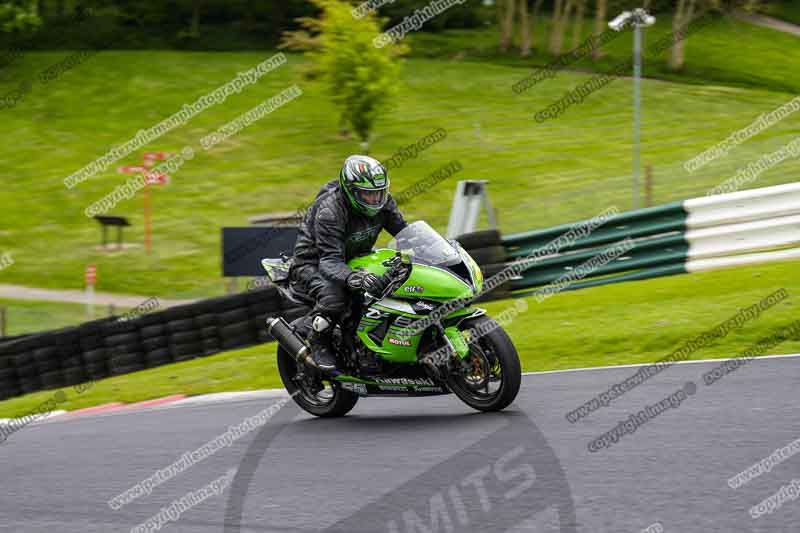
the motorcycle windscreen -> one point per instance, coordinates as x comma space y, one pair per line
425, 245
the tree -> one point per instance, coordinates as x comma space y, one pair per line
577, 28
528, 28
561, 13
19, 17
683, 15
525, 37
360, 77
506, 23
599, 25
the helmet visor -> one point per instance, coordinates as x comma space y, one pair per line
374, 198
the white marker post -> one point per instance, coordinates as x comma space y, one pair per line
91, 279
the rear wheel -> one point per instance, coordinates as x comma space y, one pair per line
488, 378
320, 397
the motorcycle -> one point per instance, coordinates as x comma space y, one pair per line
419, 337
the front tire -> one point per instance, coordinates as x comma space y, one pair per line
332, 401
492, 362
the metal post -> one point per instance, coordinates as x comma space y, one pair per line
637, 74
90, 301
146, 194
648, 185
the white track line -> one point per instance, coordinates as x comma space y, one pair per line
228, 397
266, 394
636, 365
43, 416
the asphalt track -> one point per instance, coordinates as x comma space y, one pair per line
430, 465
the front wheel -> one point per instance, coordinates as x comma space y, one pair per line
489, 377
330, 401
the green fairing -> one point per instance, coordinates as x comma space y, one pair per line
424, 283
437, 284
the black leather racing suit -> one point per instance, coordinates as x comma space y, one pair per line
331, 234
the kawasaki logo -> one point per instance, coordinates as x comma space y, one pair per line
407, 381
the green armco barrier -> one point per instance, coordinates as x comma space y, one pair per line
642, 248
639, 223
656, 272
695, 235
646, 259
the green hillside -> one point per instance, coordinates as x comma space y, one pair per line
541, 174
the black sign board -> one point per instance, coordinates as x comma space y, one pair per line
244, 248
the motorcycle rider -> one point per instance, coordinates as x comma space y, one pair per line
344, 222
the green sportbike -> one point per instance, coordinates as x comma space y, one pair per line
419, 337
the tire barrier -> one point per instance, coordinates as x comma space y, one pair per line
109, 346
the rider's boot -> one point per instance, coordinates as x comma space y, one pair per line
320, 341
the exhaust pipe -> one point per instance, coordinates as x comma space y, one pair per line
290, 341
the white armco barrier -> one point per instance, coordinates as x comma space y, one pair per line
743, 228
743, 206
745, 237
717, 263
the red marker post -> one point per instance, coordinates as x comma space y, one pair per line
90, 277
150, 178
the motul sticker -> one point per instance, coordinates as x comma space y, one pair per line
399, 342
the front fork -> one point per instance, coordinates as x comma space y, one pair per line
454, 347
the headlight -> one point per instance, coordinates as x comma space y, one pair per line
474, 270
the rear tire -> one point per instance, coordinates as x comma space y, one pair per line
338, 401
492, 352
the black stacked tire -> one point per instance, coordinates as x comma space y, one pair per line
125, 352
206, 320
155, 330
155, 343
9, 382
74, 375
95, 363
488, 254
46, 359
52, 380
480, 239
184, 339
210, 340
158, 357
236, 329
27, 373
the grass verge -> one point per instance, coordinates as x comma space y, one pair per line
618, 324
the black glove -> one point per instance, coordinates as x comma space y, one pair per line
364, 281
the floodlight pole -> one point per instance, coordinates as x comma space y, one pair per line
638, 18
637, 107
